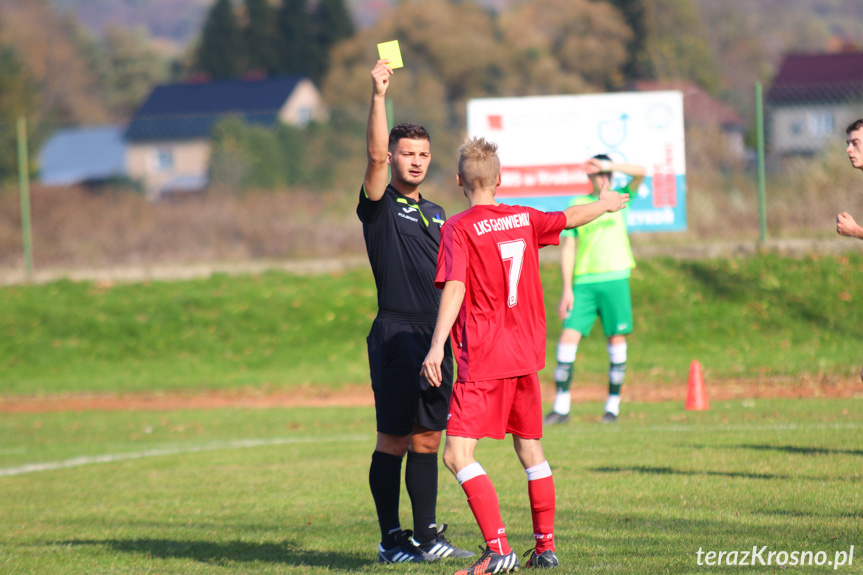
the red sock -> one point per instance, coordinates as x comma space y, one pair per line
483, 501
541, 493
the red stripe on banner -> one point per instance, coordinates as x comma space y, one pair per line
665, 181
556, 180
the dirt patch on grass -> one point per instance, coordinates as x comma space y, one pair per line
805, 386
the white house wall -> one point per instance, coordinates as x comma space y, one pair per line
808, 129
304, 104
188, 158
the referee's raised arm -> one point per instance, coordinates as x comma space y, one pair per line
377, 133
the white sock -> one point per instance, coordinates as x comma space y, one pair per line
617, 353
566, 352
469, 471
562, 402
540, 471
612, 405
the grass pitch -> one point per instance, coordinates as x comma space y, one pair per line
285, 490
764, 316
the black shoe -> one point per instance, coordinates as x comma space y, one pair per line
406, 550
609, 417
441, 547
545, 560
554, 418
490, 562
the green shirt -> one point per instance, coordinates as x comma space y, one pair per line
602, 252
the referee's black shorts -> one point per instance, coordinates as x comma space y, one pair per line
398, 344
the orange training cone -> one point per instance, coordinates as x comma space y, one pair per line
696, 395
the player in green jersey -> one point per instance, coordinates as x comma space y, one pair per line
596, 283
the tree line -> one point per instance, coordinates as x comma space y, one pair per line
55, 73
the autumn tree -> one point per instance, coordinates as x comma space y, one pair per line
454, 51
128, 69
458, 50
669, 42
736, 36
633, 12
579, 44
47, 46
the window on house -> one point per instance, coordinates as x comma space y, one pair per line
304, 116
821, 123
797, 127
164, 160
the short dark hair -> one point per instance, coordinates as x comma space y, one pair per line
854, 126
603, 158
409, 131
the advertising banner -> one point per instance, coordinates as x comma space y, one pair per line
545, 140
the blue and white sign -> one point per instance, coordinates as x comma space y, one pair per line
544, 142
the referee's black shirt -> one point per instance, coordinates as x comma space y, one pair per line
402, 238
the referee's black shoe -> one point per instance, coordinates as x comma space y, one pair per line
406, 550
545, 560
441, 546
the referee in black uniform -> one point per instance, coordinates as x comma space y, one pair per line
402, 234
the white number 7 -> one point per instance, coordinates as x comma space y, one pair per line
513, 251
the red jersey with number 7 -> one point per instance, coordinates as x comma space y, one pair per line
494, 251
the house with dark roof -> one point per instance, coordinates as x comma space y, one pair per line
812, 100
168, 138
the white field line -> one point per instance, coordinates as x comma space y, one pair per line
110, 458
247, 443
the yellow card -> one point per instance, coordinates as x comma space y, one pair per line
390, 51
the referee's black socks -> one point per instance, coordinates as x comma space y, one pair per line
421, 474
385, 474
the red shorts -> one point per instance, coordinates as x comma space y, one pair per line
496, 407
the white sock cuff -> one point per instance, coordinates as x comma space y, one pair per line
562, 401
566, 352
617, 353
468, 472
540, 471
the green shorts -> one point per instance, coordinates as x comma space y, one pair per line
610, 300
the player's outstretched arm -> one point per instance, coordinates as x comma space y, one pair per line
846, 226
450, 304
377, 133
608, 201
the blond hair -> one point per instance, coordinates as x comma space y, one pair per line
478, 163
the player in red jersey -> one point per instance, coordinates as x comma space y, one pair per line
488, 267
